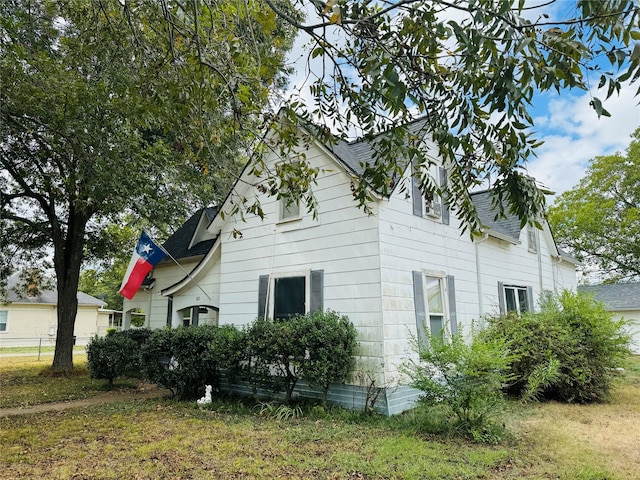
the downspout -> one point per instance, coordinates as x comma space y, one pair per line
477, 243
538, 249
148, 319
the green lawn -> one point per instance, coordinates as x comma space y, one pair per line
165, 439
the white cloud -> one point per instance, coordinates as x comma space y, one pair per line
573, 135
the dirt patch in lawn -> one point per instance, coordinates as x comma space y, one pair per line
144, 391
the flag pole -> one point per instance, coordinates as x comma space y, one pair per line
181, 267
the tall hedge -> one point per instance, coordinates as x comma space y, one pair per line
330, 341
318, 347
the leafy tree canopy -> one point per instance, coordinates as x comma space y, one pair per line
599, 219
105, 110
471, 67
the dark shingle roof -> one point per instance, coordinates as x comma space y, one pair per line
615, 296
509, 226
354, 155
178, 243
46, 296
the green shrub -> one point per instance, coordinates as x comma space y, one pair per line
330, 342
181, 359
230, 351
276, 354
109, 357
318, 347
140, 337
463, 381
568, 351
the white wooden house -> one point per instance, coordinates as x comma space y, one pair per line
405, 268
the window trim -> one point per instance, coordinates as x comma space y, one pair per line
282, 205
431, 205
272, 290
441, 278
516, 289
532, 239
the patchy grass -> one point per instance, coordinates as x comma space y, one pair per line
25, 382
163, 439
583, 442
170, 440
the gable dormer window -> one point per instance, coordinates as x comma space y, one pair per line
289, 210
430, 204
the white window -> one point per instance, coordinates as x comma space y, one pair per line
186, 316
435, 304
289, 211
432, 201
4, 320
285, 295
516, 299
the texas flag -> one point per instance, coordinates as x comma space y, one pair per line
146, 255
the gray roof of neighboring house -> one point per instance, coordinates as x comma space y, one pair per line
509, 226
178, 243
46, 296
615, 296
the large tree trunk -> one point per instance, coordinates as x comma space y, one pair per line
68, 253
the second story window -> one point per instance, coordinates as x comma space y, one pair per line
289, 210
427, 202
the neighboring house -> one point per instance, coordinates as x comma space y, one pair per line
623, 300
396, 273
108, 320
33, 320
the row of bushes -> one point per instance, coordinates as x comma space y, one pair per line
318, 347
568, 351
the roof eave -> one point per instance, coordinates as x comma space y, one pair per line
501, 236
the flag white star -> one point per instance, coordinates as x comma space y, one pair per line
147, 248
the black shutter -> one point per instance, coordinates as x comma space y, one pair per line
195, 316
418, 300
263, 287
317, 291
453, 315
503, 310
444, 181
169, 311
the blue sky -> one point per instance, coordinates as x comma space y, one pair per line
573, 134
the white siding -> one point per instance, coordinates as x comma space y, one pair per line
342, 241
411, 243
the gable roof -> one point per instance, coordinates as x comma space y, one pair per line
355, 155
49, 297
508, 226
181, 244
615, 296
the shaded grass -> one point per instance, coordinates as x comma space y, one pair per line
25, 382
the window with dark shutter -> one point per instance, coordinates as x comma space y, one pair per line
289, 297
